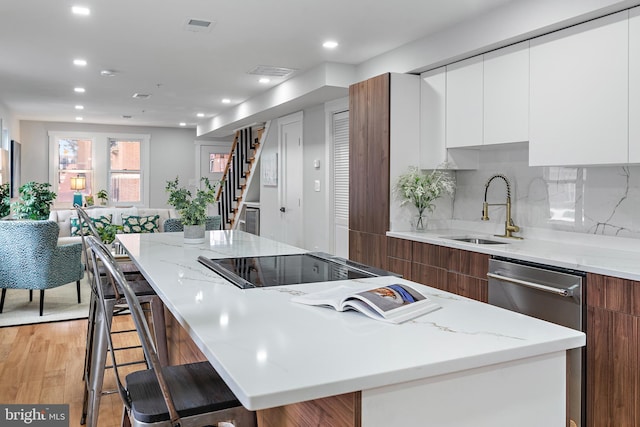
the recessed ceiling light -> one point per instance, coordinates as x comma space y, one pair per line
107, 73
183, 124
330, 44
200, 114
81, 10
227, 100
79, 62
79, 107
79, 89
138, 95
264, 80
79, 118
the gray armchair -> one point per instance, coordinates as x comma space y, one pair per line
174, 224
31, 259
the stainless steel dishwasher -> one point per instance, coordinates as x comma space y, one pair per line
552, 294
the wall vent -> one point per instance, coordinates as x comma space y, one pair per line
271, 71
198, 25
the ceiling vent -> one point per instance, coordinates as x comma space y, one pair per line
198, 25
270, 71
141, 95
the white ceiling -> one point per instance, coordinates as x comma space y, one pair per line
185, 72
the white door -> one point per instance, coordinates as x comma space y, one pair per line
340, 124
290, 134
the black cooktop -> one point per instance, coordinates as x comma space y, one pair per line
277, 270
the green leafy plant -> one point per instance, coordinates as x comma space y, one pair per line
5, 200
34, 202
89, 200
103, 196
192, 209
108, 232
421, 189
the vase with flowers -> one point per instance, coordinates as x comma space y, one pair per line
421, 190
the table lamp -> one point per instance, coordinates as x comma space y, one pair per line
78, 183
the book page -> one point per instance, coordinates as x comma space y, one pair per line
390, 297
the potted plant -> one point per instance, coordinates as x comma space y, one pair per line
34, 202
421, 190
5, 200
108, 233
192, 209
103, 196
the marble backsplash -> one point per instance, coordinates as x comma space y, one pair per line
592, 200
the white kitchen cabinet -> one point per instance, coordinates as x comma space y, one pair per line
464, 103
433, 148
506, 95
634, 85
579, 94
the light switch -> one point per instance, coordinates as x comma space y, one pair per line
316, 185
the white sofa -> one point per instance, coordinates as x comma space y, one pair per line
63, 218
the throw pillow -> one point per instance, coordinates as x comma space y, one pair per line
140, 224
99, 223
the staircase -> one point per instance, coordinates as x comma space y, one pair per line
238, 172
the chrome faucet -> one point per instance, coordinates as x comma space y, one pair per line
509, 226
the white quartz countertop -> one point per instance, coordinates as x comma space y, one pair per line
583, 253
273, 352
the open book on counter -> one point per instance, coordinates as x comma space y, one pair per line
394, 303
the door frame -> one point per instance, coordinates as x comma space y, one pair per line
283, 121
331, 108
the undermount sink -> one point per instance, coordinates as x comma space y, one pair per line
476, 240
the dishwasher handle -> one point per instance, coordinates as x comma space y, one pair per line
564, 292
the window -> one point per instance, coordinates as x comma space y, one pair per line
125, 175
217, 162
74, 160
117, 163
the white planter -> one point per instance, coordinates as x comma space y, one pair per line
194, 233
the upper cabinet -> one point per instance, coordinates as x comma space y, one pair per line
579, 94
464, 103
433, 148
506, 95
634, 85
487, 98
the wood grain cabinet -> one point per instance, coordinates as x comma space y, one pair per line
369, 113
453, 270
613, 352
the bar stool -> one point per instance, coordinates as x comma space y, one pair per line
184, 395
96, 348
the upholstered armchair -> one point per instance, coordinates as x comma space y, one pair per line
31, 259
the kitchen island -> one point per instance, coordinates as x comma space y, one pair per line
501, 367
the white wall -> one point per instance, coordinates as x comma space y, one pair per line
315, 220
171, 152
316, 224
511, 23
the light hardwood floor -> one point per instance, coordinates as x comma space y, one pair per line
43, 364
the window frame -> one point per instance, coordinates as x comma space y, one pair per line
100, 161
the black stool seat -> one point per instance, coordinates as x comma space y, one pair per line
196, 388
138, 283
